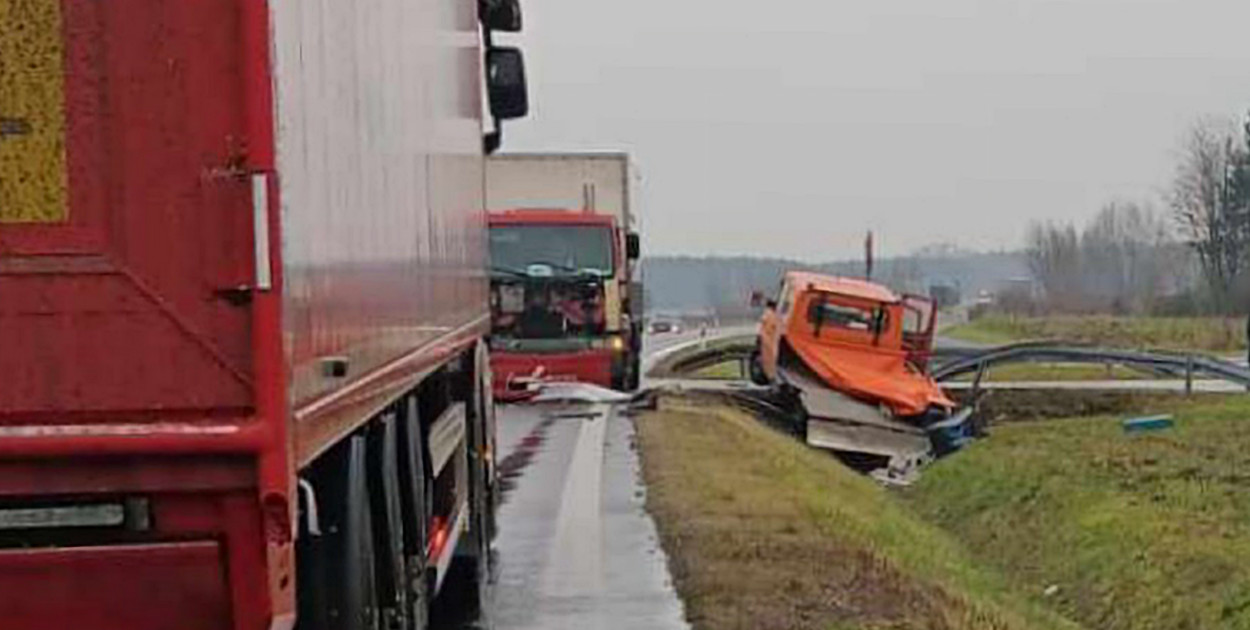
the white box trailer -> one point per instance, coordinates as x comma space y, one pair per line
600, 181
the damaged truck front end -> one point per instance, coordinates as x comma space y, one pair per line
850, 358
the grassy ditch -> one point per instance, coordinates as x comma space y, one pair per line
763, 532
727, 371
1207, 334
1053, 372
1022, 405
1115, 531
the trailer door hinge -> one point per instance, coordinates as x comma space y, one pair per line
310, 507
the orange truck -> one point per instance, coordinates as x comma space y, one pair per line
851, 356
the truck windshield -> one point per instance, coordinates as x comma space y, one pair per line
564, 249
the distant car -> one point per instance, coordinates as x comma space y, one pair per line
664, 326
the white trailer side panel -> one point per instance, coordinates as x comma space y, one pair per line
566, 181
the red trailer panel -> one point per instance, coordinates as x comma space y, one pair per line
231, 232
114, 302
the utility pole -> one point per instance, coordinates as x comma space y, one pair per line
868, 256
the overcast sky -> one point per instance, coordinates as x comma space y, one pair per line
791, 127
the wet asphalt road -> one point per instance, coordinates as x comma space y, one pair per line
575, 547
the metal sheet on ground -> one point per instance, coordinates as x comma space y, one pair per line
841, 436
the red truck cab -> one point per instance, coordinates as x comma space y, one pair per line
560, 304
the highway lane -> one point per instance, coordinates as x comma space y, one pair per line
576, 548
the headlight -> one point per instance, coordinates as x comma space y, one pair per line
615, 343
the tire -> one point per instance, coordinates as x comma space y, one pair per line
796, 414
415, 508
634, 380
336, 562
755, 368
470, 575
359, 591
339, 588
394, 595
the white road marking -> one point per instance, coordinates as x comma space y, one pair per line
576, 564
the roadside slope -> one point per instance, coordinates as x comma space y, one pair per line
763, 532
1146, 532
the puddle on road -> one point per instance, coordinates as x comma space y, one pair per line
512, 466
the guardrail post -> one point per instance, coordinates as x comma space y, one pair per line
1189, 375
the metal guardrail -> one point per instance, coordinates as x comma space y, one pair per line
700, 354
1172, 364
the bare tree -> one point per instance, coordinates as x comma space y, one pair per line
1211, 208
1124, 253
1054, 256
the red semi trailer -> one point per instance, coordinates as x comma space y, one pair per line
243, 303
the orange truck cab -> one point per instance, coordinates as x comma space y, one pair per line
857, 338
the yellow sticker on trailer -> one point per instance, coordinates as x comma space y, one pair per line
33, 178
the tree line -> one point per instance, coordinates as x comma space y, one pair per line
1192, 257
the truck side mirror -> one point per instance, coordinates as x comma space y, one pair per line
500, 15
633, 246
505, 83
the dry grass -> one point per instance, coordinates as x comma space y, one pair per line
1208, 334
1052, 372
764, 533
727, 371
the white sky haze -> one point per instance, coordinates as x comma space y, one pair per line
790, 127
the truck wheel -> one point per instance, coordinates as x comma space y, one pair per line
634, 380
469, 577
798, 418
388, 524
359, 608
338, 589
414, 505
755, 368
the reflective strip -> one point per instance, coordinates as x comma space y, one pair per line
105, 515
260, 230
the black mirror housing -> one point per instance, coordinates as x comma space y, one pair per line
500, 15
633, 246
505, 83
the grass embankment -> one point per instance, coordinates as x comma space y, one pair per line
1209, 334
763, 532
727, 371
1023, 405
1057, 372
1125, 532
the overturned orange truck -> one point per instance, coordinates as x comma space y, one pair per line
850, 357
